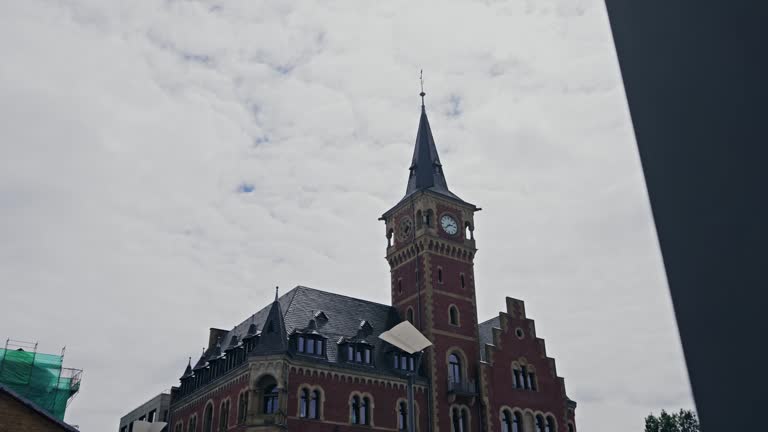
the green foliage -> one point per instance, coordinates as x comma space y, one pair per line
682, 421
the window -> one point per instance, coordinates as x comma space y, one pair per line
399, 286
460, 419
360, 410
270, 399
403, 361
359, 353
311, 345
506, 421
224, 416
402, 416
314, 405
551, 427
570, 427
192, 425
409, 315
242, 406
439, 275
453, 315
179, 428
463, 282
454, 369
151, 416
304, 403
523, 379
539, 423
517, 422
208, 418
125, 429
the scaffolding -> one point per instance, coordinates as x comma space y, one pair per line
39, 377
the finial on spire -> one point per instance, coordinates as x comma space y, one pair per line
277, 288
422, 94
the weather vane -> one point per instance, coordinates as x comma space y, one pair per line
422, 94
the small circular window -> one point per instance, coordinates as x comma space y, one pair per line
519, 333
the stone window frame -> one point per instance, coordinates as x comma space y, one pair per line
193, 416
227, 400
512, 411
242, 406
463, 361
453, 306
462, 408
371, 406
208, 403
530, 368
415, 412
320, 403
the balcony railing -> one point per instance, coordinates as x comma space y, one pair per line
464, 387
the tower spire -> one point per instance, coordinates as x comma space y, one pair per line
422, 94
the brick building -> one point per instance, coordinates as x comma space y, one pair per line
312, 360
20, 414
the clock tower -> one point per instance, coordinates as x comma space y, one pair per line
431, 251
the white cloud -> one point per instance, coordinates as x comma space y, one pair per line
126, 129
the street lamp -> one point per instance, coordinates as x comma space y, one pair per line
407, 338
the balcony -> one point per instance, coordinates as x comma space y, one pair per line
462, 388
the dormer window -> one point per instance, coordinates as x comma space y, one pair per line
359, 353
310, 344
403, 361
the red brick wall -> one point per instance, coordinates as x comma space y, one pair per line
217, 394
550, 397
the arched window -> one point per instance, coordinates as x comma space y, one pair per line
402, 416
354, 416
314, 405
304, 403
453, 315
242, 406
224, 416
365, 411
428, 218
539, 423
454, 369
419, 219
570, 427
409, 315
179, 427
506, 421
269, 394
517, 422
551, 424
192, 425
208, 418
270, 399
516, 381
459, 419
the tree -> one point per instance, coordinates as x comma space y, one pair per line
682, 421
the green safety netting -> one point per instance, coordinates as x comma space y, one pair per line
39, 378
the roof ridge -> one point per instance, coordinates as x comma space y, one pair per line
345, 296
290, 302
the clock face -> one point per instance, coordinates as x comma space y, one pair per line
449, 224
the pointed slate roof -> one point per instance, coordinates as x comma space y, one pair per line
188, 370
426, 171
274, 337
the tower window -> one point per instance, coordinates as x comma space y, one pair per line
463, 282
409, 315
453, 315
454, 369
439, 275
399, 286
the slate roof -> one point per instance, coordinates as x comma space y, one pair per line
486, 334
344, 316
426, 171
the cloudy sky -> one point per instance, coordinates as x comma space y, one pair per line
165, 164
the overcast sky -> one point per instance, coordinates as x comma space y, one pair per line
165, 164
